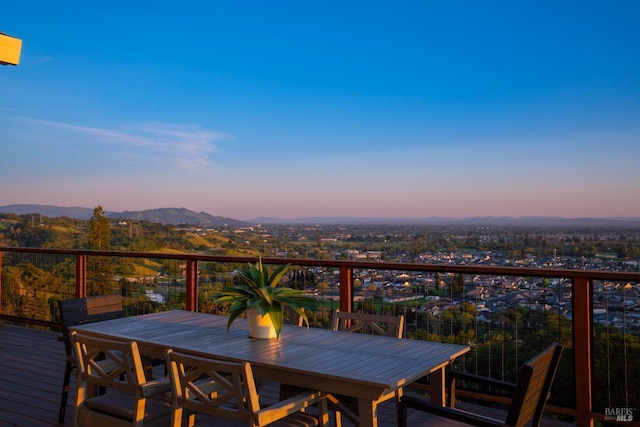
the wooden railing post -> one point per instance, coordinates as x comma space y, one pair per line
192, 285
81, 276
346, 289
582, 333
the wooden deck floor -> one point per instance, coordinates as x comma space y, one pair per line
31, 371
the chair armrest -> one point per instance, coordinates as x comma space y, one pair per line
458, 375
160, 385
450, 413
289, 406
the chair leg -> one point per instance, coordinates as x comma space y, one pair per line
323, 413
338, 419
451, 401
65, 392
176, 417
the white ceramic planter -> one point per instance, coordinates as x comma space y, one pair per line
260, 326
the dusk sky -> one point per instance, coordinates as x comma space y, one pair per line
293, 109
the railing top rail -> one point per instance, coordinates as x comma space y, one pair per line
374, 265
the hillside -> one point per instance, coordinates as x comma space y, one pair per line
49, 211
162, 215
177, 216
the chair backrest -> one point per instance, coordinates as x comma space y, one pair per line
78, 311
293, 318
534, 384
214, 387
378, 324
113, 364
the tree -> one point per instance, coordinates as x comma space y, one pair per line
99, 231
99, 273
457, 284
323, 288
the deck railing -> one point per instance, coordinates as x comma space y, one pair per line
505, 314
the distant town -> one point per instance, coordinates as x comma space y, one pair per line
577, 246
586, 248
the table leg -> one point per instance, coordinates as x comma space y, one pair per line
368, 413
438, 387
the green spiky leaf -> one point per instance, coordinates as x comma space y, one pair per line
258, 288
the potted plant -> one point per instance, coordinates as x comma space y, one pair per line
258, 295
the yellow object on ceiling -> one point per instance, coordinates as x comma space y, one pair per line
9, 50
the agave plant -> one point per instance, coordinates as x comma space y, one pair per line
259, 288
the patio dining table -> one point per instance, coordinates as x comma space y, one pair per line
368, 367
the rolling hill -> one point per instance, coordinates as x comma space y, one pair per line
161, 215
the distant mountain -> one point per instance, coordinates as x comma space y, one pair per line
534, 221
163, 215
186, 216
47, 210
177, 216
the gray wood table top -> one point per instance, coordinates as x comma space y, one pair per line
364, 366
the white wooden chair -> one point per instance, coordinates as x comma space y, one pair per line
112, 389
378, 324
79, 311
228, 390
530, 395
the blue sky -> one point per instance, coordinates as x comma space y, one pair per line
306, 108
